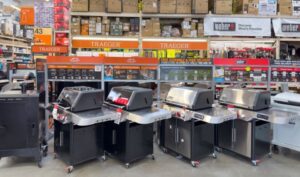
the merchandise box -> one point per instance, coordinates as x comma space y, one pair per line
184, 7
130, 6
97, 5
168, 6
150, 6
80, 5
114, 6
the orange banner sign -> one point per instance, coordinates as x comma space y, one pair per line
175, 45
27, 16
74, 60
49, 49
131, 60
105, 44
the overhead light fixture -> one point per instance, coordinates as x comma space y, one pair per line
15, 7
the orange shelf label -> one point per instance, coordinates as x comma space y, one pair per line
49, 49
105, 44
175, 45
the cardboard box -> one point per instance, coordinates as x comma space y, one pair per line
184, 6
237, 6
114, 6
223, 6
200, 6
150, 6
200, 30
267, 7
80, 6
97, 5
168, 6
130, 6
285, 7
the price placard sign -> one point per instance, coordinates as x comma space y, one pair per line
43, 36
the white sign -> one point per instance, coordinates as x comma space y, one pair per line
220, 26
286, 27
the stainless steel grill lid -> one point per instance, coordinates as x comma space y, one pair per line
190, 97
246, 98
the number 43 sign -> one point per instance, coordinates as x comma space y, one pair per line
42, 36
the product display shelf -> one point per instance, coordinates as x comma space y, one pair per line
104, 14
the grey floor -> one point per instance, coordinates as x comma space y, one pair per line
282, 165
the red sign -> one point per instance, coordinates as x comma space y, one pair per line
131, 60
240, 62
49, 49
74, 60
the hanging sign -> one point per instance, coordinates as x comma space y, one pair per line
105, 44
49, 49
27, 16
186, 45
284, 27
220, 26
42, 36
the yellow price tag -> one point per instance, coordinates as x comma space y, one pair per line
248, 68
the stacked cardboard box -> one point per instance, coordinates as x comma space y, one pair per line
184, 6
250, 7
223, 6
285, 7
296, 7
97, 5
200, 29
168, 6
267, 7
130, 6
114, 6
75, 26
200, 6
150, 6
151, 27
80, 5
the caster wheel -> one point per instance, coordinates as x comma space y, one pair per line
69, 169
39, 164
214, 155
104, 158
127, 165
195, 163
270, 155
165, 150
153, 157
255, 162
220, 150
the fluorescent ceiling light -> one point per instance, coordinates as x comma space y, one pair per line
15, 7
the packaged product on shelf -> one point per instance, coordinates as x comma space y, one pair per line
156, 27
80, 5
223, 6
184, 6
200, 30
147, 28
92, 26
250, 7
114, 6
267, 7
134, 24
150, 6
84, 27
200, 6
97, 5
296, 7
168, 6
285, 7
237, 6
130, 6
166, 31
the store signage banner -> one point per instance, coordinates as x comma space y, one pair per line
42, 36
219, 26
175, 45
27, 16
49, 49
284, 27
105, 44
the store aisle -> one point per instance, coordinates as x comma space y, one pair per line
164, 165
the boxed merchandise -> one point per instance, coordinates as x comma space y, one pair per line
130, 6
116, 28
285, 7
200, 6
168, 6
134, 24
200, 30
237, 6
147, 28
80, 5
97, 5
223, 6
150, 6
184, 7
114, 6
84, 27
156, 27
267, 7
296, 7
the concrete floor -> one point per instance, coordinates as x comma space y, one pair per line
165, 165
